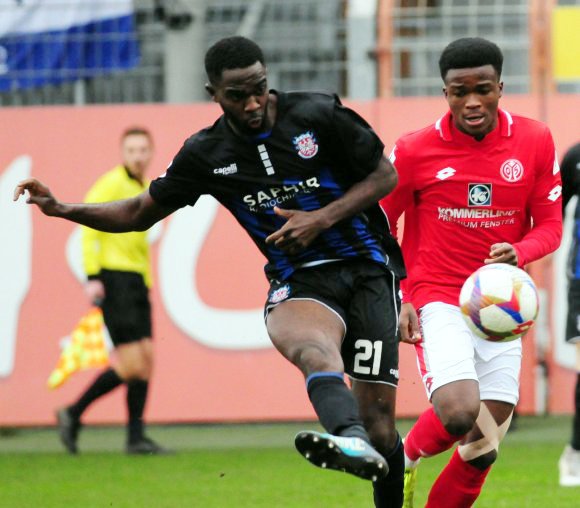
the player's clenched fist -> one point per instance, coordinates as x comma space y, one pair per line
38, 194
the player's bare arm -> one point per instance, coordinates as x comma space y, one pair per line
301, 228
502, 253
134, 214
409, 324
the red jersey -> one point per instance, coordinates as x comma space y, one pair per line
461, 195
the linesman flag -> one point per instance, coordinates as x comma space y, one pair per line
52, 41
85, 348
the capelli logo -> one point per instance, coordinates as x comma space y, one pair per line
228, 170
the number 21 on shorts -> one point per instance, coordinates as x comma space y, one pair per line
367, 360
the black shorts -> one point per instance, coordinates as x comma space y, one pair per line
573, 317
365, 295
126, 307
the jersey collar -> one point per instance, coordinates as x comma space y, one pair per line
446, 130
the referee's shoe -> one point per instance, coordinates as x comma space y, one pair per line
349, 454
146, 446
68, 430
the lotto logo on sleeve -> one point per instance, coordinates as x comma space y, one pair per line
555, 193
479, 194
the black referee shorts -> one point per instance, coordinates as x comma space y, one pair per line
365, 295
126, 307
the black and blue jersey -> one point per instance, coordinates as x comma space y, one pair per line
570, 170
316, 150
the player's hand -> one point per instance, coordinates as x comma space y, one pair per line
299, 230
502, 253
409, 324
38, 194
95, 291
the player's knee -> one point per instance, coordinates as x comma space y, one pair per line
136, 371
379, 423
383, 438
459, 422
457, 414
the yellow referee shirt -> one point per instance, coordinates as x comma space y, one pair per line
128, 252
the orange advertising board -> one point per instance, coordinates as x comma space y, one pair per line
213, 360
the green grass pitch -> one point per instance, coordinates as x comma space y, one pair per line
253, 466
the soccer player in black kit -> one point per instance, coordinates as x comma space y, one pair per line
302, 174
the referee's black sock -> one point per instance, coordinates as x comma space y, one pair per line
335, 404
388, 491
576, 422
136, 398
105, 382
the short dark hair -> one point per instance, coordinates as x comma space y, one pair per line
470, 52
235, 52
136, 130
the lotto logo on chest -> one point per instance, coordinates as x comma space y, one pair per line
512, 170
306, 145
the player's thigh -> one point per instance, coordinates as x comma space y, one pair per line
371, 346
446, 351
306, 313
297, 325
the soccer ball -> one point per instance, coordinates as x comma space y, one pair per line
499, 302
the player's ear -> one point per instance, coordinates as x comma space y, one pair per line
444, 90
210, 90
500, 88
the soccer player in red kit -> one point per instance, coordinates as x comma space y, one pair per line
478, 186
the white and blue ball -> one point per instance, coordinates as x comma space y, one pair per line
499, 302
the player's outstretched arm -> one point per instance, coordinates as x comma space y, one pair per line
134, 214
38, 194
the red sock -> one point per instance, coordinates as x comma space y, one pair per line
458, 485
428, 437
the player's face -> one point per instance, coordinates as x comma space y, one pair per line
136, 153
243, 97
473, 95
